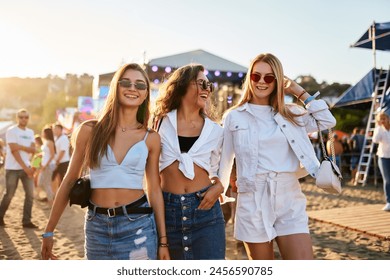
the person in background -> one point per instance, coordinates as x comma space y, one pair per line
189, 163
124, 221
62, 156
269, 141
36, 164
2, 153
47, 164
20, 147
356, 145
338, 149
346, 155
381, 136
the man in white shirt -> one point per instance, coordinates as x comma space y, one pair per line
20, 147
62, 154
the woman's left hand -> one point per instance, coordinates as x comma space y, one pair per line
211, 196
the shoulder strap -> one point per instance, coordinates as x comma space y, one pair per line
147, 133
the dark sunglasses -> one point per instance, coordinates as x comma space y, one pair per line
128, 84
267, 78
205, 85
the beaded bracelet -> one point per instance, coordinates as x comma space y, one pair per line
163, 244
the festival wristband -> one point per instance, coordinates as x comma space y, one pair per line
48, 234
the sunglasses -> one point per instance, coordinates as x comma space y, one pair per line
205, 85
128, 84
23, 117
267, 78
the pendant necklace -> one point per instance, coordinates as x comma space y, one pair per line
124, 129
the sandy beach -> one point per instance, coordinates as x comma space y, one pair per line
330, 242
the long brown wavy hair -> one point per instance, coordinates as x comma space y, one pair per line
104, 128
174, 89
276, 99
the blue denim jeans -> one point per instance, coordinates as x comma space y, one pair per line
194, 234
384, 167
11, 183
122, 237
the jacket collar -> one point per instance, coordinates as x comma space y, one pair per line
246, 107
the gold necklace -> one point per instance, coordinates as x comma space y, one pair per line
124, 129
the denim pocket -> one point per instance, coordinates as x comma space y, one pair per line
206, 217
90, 215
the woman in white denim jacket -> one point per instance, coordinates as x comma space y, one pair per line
269, 140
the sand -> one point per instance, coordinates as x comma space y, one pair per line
330, 242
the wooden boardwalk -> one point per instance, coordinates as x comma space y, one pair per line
369, 219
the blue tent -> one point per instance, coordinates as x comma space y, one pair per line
377, 33
359, 93
377, 37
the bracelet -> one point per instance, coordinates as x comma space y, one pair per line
48, 234
163, 244
162, 237
303, 92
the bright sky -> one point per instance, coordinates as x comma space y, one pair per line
44, 37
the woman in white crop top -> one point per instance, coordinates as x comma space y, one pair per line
269, 141
189, 164
124, 220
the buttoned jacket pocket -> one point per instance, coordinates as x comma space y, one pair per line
240, 132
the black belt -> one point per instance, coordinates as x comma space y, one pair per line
132, 208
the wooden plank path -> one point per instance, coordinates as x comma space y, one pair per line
369, 219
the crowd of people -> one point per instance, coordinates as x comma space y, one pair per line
32, 159
157, 192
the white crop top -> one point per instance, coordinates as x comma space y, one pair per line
127, 175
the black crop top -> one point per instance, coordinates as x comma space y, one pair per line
186, 142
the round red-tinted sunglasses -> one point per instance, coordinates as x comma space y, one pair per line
267, 78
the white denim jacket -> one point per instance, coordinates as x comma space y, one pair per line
205, 152
240, 140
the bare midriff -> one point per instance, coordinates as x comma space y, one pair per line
110, 197
173, 180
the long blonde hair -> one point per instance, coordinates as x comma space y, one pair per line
276, 99
105, 126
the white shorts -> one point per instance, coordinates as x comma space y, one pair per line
274, 206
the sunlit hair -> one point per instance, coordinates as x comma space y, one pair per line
22, 111
276, 98
174, 89
383, 114
47, 133
106, 125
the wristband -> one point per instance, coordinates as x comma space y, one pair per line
311, 98
48, 234
163, 244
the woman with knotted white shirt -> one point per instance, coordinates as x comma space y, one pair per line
189, 162
269, 140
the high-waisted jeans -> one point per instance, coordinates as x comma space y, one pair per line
194, 234
122, 237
